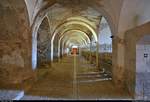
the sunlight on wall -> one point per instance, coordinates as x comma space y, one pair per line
34, 54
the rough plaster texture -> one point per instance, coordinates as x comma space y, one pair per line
15, 41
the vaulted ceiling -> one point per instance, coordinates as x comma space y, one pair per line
120, 14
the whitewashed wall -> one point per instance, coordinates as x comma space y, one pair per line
142, 64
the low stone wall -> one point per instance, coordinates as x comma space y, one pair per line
105, 59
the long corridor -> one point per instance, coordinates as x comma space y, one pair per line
74, 49
62, 82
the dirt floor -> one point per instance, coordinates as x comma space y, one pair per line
62, 80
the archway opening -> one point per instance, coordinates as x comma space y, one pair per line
41, 41
99, 53
70, 33
105, 46
80, 29
73, 24
43, 44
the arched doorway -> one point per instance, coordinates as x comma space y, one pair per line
40, 39
78, 23
105, 46
43, 43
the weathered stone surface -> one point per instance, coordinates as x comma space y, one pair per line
14, 42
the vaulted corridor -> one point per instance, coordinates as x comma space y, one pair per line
74, 49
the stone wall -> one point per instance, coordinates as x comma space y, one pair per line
15, 42
55, 53
105, 59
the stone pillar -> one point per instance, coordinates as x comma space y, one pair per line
49, 54
97, 55
90, 59
118, 64
55, 53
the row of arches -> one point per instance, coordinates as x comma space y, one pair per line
25, 35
